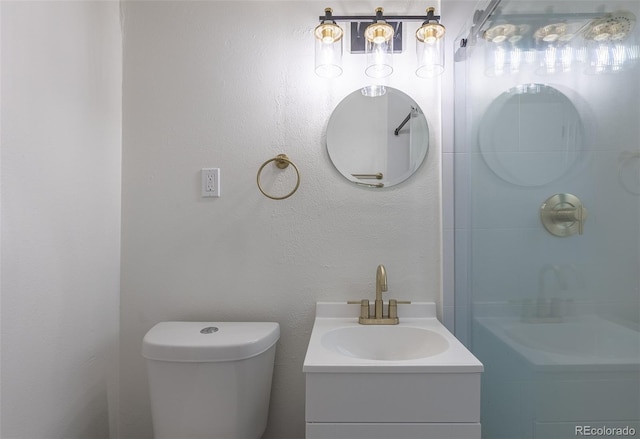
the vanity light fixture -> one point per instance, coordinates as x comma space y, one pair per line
596, 42
429, 47
379, 47
380, 35
328, 47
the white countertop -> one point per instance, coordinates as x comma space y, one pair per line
333, 315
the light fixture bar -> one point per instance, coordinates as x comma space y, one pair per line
375, 17
358, 23
559, 16
380, 16
378, 37
481, 17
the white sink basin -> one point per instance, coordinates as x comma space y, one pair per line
420, 343
587, 338
387, 343
578, 341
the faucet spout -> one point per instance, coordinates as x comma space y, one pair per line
378, 317
381, 285
543, 292
381, 281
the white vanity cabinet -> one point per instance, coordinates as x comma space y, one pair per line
392, 405
369, 383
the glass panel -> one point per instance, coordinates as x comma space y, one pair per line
547, 117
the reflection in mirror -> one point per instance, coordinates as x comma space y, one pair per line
377, 141
531, 135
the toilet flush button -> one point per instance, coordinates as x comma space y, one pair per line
209, 330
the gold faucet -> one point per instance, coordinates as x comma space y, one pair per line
381, 285
378, 317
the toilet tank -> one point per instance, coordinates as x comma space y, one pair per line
210, 379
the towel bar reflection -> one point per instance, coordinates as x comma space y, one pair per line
377, 176
369, 184
402, 124
281, 162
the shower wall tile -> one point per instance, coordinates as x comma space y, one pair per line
448, 318
493, 275
463, 325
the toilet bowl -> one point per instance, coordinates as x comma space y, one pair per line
210, 380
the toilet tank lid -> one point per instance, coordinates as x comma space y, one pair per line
208, 341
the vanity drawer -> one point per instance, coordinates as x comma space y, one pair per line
397, 397
395, 431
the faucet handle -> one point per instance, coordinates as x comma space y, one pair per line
364, 307
393, 307
563, 215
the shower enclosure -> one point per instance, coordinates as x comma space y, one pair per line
547, 215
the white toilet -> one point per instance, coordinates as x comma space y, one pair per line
210, 380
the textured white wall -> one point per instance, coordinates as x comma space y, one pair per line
230, 85
61, 160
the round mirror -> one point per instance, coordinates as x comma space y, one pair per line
377, 141
531, 135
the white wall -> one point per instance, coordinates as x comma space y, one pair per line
230, 85
61, 161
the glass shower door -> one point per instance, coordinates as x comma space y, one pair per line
547, 233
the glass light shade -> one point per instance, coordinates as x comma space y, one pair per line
500, 33
550, 56
633, 53
430, 50
328, 50
379, 50
374, 90
610, 43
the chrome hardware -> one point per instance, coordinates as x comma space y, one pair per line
550, 306
378, 317
404, 122
540, 311
209, 330
563, 215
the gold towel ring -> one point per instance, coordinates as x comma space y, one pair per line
282, 161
